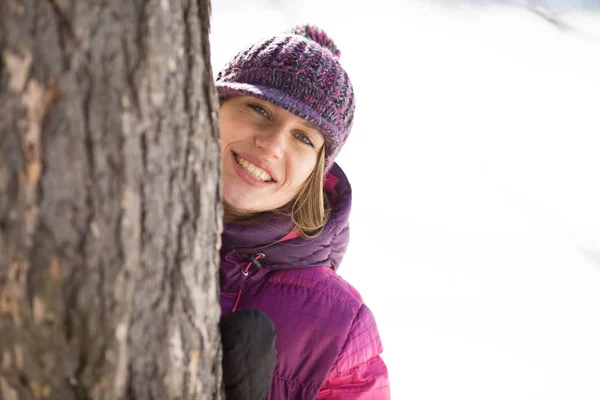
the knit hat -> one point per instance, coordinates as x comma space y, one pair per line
300, 72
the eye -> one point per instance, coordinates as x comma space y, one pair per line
259, 109
304, 139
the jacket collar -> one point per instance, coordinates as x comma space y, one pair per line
242, 241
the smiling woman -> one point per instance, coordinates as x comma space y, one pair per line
268, 154
287, 107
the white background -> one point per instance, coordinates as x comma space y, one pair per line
475, 163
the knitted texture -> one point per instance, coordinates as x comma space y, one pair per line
298, 71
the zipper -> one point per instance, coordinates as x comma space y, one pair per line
246, 271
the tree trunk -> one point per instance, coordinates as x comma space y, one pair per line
110, 214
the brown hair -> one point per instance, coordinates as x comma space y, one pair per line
309, 209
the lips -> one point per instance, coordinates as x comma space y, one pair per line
255, 168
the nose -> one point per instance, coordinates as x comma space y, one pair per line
272, 142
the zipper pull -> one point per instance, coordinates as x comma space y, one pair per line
253, 261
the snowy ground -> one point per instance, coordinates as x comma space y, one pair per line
474, 160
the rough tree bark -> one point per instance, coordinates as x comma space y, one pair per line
110, 213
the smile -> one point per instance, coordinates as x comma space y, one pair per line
252, 169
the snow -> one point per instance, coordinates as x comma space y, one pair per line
474, 160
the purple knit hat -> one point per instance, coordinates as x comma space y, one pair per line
300, 72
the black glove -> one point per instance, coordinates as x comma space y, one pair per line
248, 338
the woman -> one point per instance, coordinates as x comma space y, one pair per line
287, 107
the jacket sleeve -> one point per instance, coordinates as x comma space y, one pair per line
359, 373
249, 354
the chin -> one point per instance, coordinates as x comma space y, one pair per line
247, 202
248, 207
238, 204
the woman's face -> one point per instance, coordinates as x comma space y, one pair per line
267, 153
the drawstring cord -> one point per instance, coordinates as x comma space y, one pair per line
253, 261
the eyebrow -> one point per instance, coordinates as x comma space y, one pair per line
304, 122
310, 125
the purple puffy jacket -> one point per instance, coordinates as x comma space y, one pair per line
327, 341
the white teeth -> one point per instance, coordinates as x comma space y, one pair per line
253, 169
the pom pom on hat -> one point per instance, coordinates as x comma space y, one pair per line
316, 35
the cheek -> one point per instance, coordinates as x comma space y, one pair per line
233, 129
302, 170
226, 131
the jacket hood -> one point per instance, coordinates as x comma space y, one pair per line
242, 241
